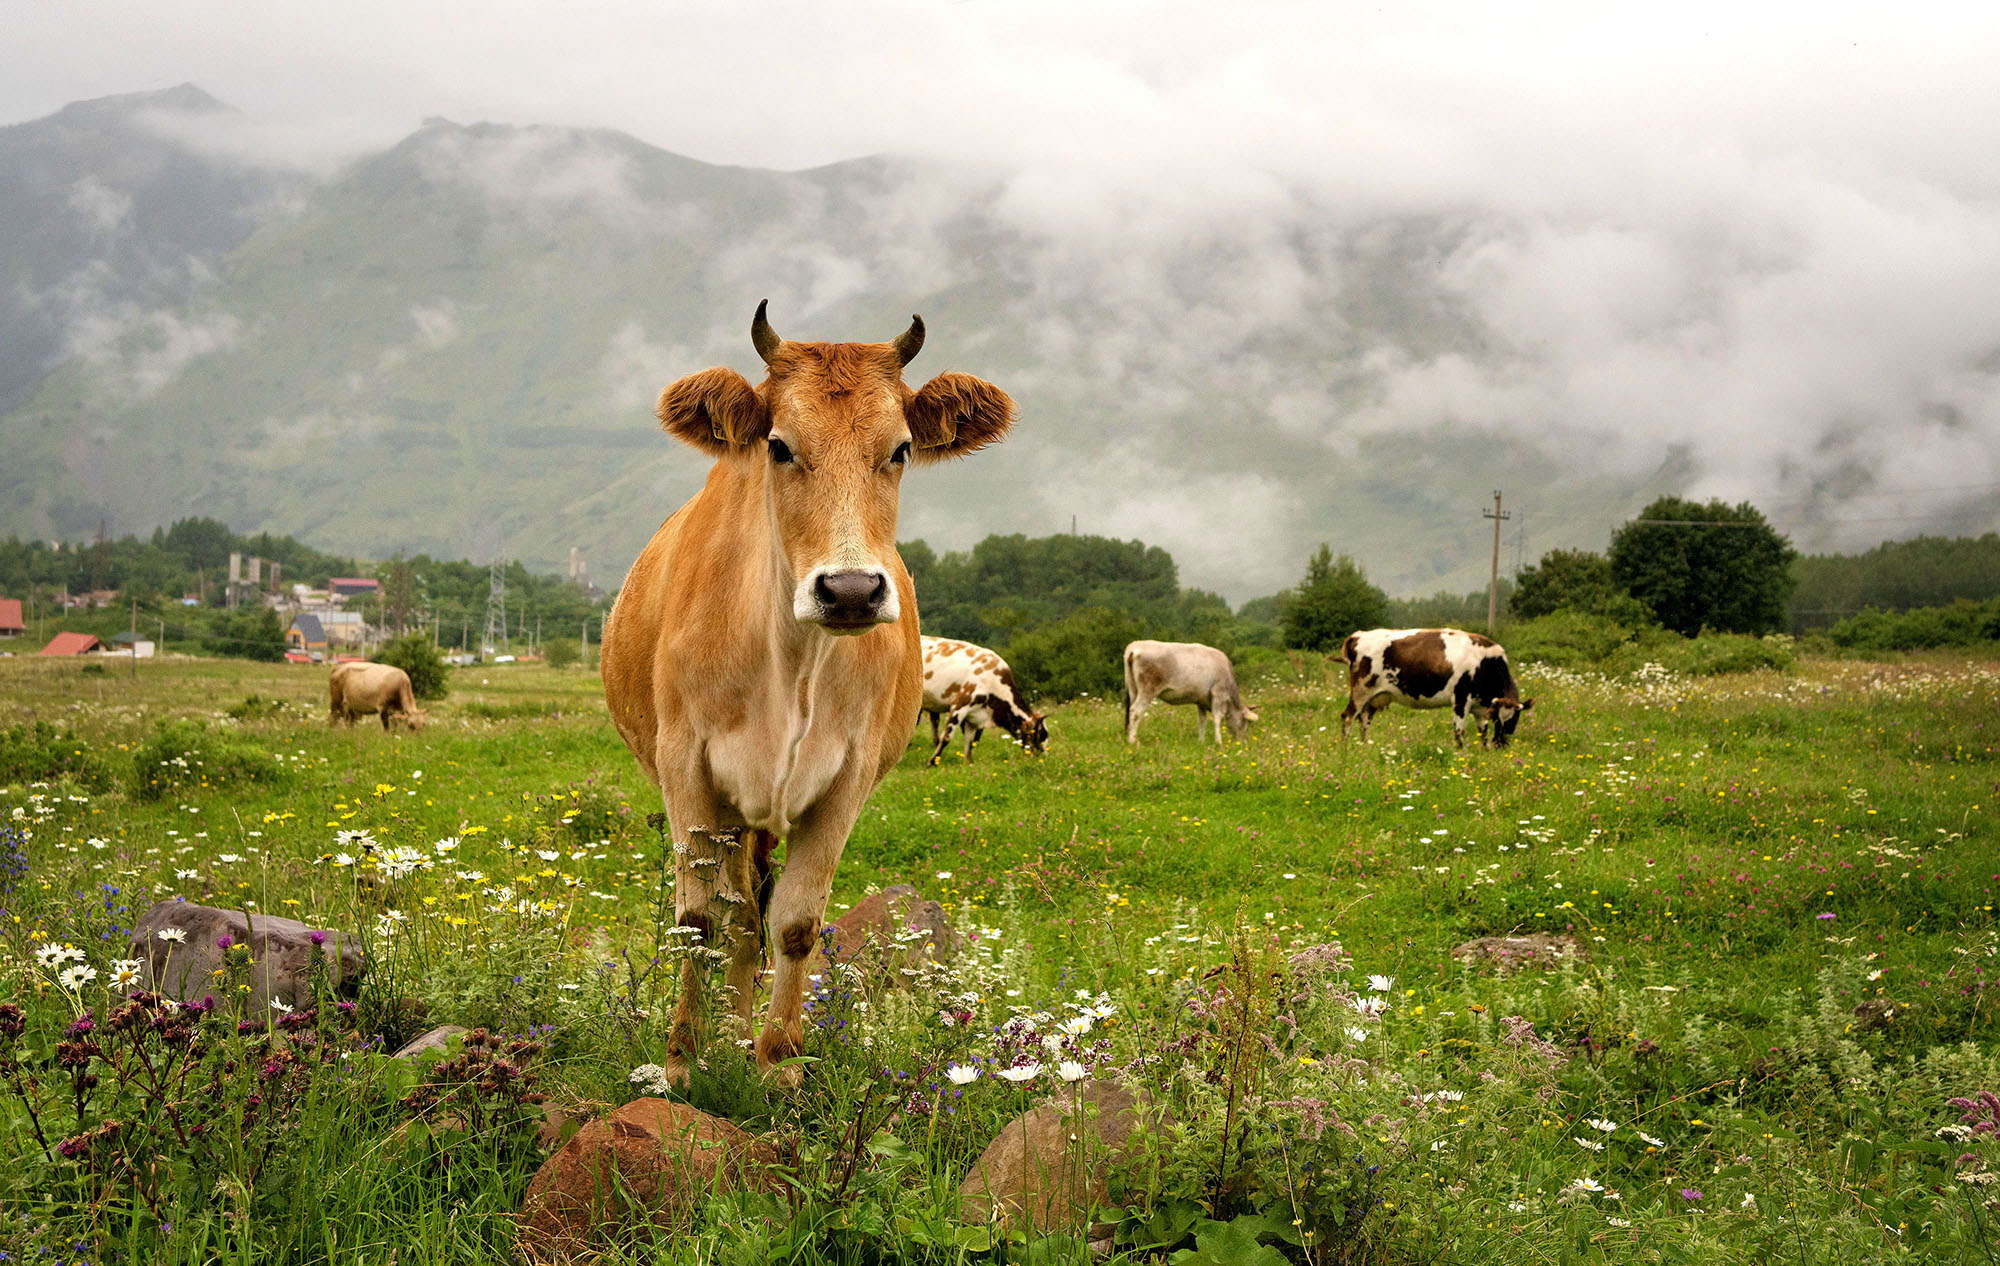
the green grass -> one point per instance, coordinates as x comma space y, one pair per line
1746, 860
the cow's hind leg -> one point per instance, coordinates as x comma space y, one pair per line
746, 891
1347, 714
1201, 724
971, 736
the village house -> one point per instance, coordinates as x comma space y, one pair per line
10, 618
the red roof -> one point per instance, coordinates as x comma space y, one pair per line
10, 615
71, 644
353, 582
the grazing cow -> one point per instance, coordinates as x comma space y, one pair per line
1432, 668
973, 688
1183, 672
762, 660
357, 689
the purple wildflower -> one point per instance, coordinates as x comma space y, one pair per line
1690, 1193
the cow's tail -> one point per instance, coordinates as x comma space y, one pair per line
333, 698
1346, 655
1131, 688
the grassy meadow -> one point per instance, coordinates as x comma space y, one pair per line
1784, 884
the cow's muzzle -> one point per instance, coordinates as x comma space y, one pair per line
847, 599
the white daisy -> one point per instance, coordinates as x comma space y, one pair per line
1070, 1070
1381, 984
1021, 1072
125, 972
1598, 1123
961, 1074
76, 977
172, 936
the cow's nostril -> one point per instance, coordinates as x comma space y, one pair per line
851, 591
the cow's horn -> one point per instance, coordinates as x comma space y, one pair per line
911, 341
762, 336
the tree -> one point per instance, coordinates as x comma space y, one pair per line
1710, 565
400, 604
416, 656
1332, 601
1082, 653
251, 633
1575, 580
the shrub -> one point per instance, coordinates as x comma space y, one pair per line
254, 633
414, 654
1713, 654
1962, 623
1082, 653
42, 753
188, 754
1333, 600
560, 653
1568, 639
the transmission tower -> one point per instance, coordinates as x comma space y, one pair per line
496, 607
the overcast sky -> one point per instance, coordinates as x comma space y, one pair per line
1767, 234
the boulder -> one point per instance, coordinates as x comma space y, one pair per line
281, 954
1052, 1165
435, 1040
892, 927
1511, 953
653, 1158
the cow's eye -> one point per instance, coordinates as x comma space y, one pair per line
901, 455
781, 452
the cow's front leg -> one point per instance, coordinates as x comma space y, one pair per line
746, 865
697, 864
1458, 723
950, 728
1348, 714
798, 910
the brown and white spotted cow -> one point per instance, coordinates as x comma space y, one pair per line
1432, 668
972, 688
1183, 672
762, 661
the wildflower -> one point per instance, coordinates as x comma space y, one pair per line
361, 839
1381, 984
1021, 1072
1651, 1141
1596, 1123
961, 1074
51, 955
1825, 914
1585, 1186
1370, 1008
546, 854
281, 1006
76, 976
1070, 1070
1356, 1033
447, 844
1690, 1194
187, 874
650, 1077
944, 874
125, 972
172, 936
1619, 1221
1592, 1144
1077, 1025
1749, 1202
229, 858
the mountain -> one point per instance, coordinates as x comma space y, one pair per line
108, 217
454, 346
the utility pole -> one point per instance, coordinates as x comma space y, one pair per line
134, 630
583, 643
1493, 583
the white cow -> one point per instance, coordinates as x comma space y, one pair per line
973, 688
1183, 672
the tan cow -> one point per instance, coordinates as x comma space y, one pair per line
357, 689
1183, 672
762, 660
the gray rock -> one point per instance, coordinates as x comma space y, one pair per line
281, 954
1511, 953
435, 1040
1052, 1165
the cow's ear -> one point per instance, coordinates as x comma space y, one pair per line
715, 410
1526, 704
955, 414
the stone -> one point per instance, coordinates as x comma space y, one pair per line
425, 1043
872, 928
1052, 1165
1511, 953
281, 955
660, 1156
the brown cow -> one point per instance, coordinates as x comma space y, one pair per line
357, 689
762, 660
